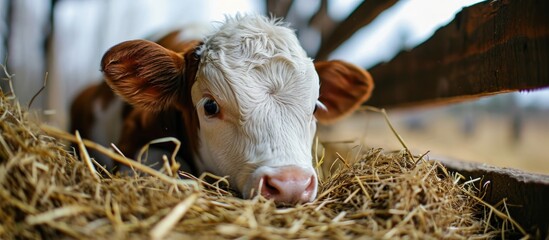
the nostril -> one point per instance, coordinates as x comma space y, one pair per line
312, 185
268, 189
310, 190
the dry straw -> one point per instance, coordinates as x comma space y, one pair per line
47, 192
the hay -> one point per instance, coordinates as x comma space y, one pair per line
47, 192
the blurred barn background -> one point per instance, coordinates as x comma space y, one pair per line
66, 39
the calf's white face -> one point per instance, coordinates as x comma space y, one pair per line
254, 94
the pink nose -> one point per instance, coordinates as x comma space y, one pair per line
289, 185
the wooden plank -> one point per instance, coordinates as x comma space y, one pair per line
489, 48
526, 194
364, 14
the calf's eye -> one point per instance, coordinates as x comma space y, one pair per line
211, 108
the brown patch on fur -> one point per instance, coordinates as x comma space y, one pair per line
343, 88
188, 111
142, 126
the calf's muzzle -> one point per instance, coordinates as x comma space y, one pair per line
288, 184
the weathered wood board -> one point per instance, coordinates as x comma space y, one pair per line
490, 47
526, 193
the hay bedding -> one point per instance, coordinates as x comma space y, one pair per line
46, 192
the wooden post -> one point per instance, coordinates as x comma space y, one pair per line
364, 14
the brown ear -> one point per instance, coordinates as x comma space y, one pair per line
343, 88
146, 74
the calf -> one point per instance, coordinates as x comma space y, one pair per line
244, 100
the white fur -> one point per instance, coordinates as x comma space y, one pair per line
267, 89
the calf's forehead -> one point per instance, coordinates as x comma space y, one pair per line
251, 56
252, 37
